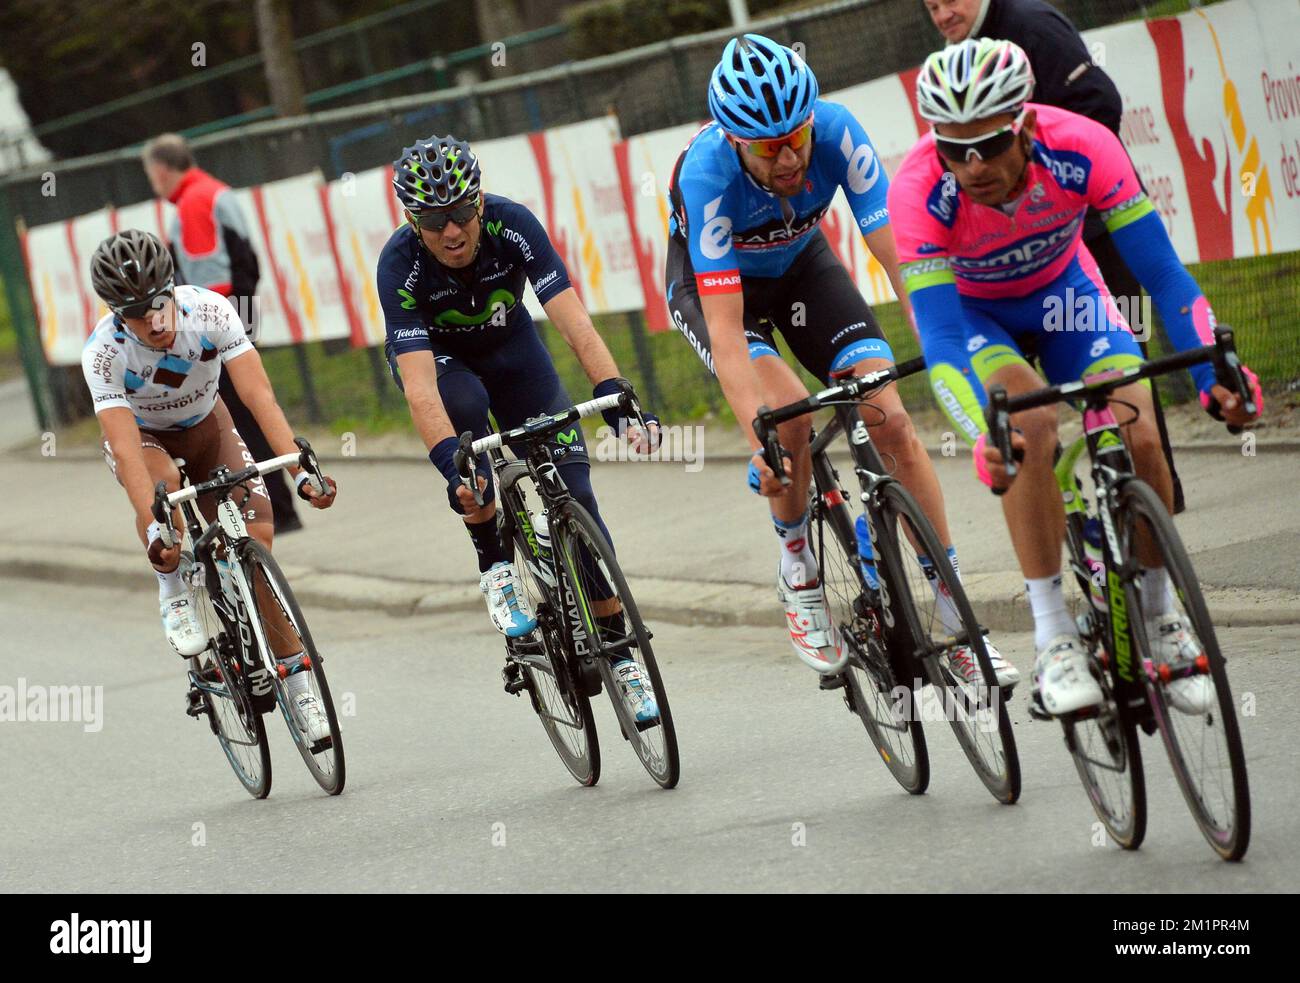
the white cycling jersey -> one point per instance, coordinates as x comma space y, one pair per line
172, 388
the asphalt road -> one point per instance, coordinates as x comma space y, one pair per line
453, 786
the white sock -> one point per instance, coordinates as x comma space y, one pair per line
1156, 596
1047, 602
170, 584
798, 565
297, 683
943, 600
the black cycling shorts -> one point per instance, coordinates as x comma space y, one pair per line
815, 305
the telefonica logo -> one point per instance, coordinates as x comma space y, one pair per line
102, 937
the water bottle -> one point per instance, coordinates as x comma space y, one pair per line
1097, 568
865, 557
542, 535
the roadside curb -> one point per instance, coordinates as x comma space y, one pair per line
999, 599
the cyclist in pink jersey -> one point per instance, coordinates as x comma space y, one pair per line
987, 212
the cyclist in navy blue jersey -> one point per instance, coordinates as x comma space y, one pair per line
461, 344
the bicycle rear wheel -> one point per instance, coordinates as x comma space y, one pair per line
976, 712
284, 627
873, 693
554, 686
591, 567
239, 729
1204, 749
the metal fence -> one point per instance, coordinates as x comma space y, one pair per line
647, 88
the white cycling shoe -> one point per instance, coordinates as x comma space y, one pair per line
813, 634
1171, 640
507, 603
311, 718
180, 619
1063, 676
638, 694
961, 663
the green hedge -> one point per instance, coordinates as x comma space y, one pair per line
603, 27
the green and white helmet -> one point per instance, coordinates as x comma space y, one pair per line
976, 79
434, 173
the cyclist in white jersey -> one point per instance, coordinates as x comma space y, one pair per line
152, 365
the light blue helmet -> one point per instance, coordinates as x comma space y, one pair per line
760, 89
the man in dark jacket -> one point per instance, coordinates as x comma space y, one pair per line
1064, 76
212, 248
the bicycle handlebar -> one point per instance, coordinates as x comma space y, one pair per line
1228, 372
853, 388
163, 502
539, 429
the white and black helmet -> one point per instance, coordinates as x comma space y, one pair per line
976, 79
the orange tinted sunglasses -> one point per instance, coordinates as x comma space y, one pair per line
772, 147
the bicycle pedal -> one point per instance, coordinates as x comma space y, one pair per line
195, 704
1037, 710
830, 682
514, 680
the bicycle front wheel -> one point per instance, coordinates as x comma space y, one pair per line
215, 674
285, 630
1201, 733
885, 704
975, 711
554, 686
592, 570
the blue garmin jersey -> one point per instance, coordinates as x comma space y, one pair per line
734, 228
425, 302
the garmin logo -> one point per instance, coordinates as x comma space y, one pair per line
102, 937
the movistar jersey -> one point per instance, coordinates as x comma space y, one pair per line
734, 228
952, 248
425, 302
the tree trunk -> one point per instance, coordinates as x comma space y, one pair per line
283, 73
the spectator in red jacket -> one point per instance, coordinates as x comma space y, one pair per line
212, 248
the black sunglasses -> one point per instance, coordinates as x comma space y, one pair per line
985, 147
437, 221
145, 307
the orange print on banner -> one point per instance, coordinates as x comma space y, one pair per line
1252, 172
49, 323
591, 262
374, 317
304, 285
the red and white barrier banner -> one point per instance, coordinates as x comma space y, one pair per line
304, 275
583, 213
147, 216
56, 292
1211, 119
645, 166
1232, 100
363, 214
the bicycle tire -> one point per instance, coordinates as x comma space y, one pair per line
997, 765
556, 692
235, 722
655, 745
326, 762
872, 691
1229, 833
1104, 745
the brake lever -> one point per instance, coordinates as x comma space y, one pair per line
999, 421
307, 461
467, 466
162, 514
767, 435
1228, 372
